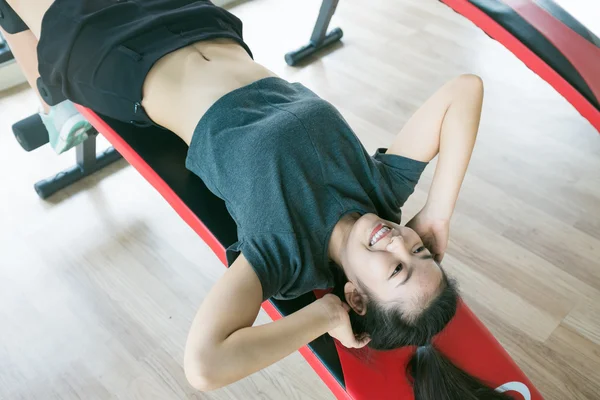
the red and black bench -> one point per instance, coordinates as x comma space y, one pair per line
549, 40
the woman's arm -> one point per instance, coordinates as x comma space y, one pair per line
446, 124
457, 138
222, 345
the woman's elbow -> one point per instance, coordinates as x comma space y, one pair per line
202, 383
202, 375
471, 82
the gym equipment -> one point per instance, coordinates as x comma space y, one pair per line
549, 40
31, 132
5, 53
319, 38
87, 161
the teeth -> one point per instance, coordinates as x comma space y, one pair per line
379, 234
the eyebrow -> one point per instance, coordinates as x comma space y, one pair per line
424, 257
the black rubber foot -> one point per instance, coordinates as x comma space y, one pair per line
49, 186
5, 53
31, 132
294, 57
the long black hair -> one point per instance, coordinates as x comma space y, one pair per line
434, 376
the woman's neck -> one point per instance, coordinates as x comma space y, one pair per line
339, 237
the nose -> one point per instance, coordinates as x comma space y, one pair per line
397, 245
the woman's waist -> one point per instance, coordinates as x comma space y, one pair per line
184, 84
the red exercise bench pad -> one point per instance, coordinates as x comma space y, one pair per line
160, 157
549, 41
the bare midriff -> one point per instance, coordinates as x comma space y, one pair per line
184, 84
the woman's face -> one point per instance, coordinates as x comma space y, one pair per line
392, 263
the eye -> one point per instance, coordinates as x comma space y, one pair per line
419, 250
397, 270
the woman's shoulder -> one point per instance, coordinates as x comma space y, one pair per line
286, 262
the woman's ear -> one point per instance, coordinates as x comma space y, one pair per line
355, 299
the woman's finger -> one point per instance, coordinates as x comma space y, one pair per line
438, 257
346, 307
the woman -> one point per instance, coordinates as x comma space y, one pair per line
309, 202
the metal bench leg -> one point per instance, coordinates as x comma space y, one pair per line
88, 162
319, 38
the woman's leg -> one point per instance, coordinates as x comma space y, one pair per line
23, 46
64, 125
31, 12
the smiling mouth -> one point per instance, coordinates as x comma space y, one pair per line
379, 232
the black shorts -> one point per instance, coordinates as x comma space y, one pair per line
99, 51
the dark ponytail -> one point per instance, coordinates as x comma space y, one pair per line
434, 377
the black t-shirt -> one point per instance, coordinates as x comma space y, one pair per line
289, 167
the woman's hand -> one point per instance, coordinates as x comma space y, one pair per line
341, 330
433, 232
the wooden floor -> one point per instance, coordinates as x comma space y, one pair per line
99, 284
